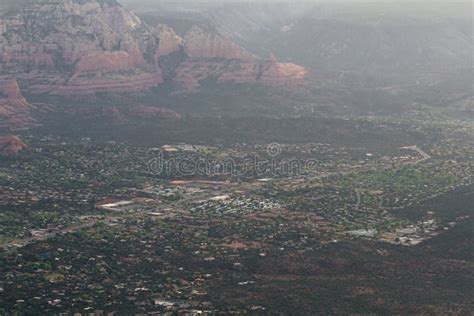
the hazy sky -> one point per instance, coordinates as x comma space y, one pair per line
311, 1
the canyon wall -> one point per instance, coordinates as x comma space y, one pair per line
74, 48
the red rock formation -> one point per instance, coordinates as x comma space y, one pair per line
89, 85
80, 48
11, 59
212, 56
109, 61
271, 73
243, 73
278, 74
72, 41
190, 72
11, 145
12, 91
169, 42
14, 109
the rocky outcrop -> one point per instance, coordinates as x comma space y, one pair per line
11, 145
190, 73
15, 112
81, 48
108, 61
210, 56
91, 84
67, 42
169, 41
102, 72
275, 73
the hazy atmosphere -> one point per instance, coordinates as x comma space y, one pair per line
236, 157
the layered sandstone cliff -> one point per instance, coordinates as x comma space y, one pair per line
211, 56
275, 73
169, 41
15, 112
118, 115
73, 48
11, 145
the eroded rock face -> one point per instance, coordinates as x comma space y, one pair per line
74, 48
84, 85
83, 47
169, 42
57, 43
108, 61
276, 73
11, 145
191, 72
15, 111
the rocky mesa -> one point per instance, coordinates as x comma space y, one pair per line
11, 145
72, 48
15, 111
206, 54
